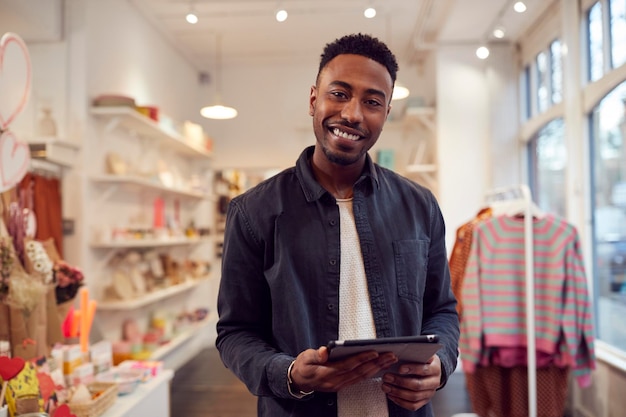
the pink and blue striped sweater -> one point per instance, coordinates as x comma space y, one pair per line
493, 328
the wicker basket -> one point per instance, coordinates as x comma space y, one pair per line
96, 407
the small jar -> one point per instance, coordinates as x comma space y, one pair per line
5, 348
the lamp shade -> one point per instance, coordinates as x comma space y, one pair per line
399, 92
219, 112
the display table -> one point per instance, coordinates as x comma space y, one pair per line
151, 398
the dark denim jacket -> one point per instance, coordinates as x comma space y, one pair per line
279, 291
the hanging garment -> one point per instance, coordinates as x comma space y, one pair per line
494, 322
45, 193
500, 391
460, 255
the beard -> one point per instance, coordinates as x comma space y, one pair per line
342, 158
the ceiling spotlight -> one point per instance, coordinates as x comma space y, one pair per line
482, 52
499, 32
519, 7
281, 15
370, 12
191, 17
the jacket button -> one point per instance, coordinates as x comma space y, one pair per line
330, 403
332, 222
333, 262
330, 306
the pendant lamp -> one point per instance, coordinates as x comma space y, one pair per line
218, 111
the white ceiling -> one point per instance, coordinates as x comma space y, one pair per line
249, 32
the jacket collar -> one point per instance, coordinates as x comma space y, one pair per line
313, 190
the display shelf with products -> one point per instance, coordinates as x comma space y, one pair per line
179, 340
138, 124
422, 165
151, 398
138, 182
152, 297
148, 243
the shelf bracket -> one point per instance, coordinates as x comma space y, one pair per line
107, 193
112, 124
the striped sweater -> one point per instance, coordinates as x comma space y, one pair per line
494, 317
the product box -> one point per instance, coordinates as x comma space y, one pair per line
72, 358
101, 356
83, 374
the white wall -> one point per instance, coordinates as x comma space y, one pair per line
463, 135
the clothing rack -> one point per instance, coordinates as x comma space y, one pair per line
516, 200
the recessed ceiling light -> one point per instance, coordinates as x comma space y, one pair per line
191, 18
499, 32
482, 52
519, 7
370, 12
281, 15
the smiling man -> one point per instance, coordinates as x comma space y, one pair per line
337, 247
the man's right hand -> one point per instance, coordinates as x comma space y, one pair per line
312, 371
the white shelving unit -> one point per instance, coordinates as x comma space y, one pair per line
179, 340
147, 243
122, 197
137, 124
423, 164
138, 182
150, 398
150, 298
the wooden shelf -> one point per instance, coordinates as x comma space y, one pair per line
133, 121
179, 339
144, 183
147, 243
150, 298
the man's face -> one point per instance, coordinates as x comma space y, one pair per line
349, 106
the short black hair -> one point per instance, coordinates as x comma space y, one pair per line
364, 45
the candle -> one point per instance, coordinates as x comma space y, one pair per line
84, 320
74, 324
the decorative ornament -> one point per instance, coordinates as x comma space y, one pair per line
14, 160
9, 369
63, 411
15, 79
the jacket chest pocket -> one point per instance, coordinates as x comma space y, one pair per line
411, 258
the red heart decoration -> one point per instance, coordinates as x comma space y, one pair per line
15, 77
63, 411
10, 367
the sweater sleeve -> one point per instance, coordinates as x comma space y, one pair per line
471, 323
577, 320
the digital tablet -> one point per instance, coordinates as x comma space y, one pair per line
415, 349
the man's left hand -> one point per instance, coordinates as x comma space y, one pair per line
414, 385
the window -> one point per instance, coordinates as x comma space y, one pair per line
556, 71
541, 84
609, 214
618, 32
596, 55
541, 63
548, 158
